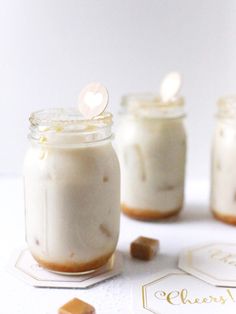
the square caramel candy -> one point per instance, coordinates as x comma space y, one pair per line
76, 306
144, 248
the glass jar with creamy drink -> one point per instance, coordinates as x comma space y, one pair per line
223, 170
152, 150
72, 190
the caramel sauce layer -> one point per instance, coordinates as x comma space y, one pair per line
147, 214
73, 267
229, 219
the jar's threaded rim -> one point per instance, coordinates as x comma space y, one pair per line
67, 117
227, 106
151, 99
151, 105
67, 127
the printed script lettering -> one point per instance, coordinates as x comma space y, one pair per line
182, 297
224, 257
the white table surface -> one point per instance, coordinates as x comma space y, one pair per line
195, 225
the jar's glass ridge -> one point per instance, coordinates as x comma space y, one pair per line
149, 105
226, 106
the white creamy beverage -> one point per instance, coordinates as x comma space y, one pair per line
223, 174
72, 191
152, 150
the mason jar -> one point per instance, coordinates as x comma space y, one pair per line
152, 151
72, 191
223, 169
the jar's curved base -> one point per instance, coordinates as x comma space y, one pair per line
73, 267
224, 218
147, 214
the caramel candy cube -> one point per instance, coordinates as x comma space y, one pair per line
76, 306
144, 248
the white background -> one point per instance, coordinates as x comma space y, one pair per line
49, 49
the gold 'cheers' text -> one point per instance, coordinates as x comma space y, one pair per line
182, 297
